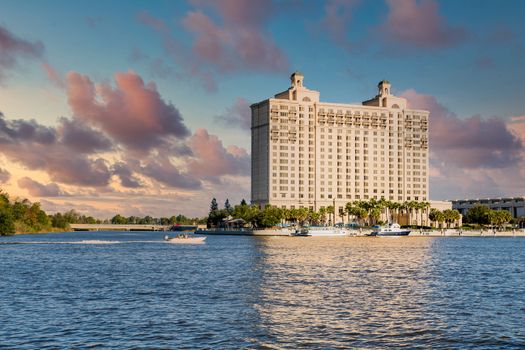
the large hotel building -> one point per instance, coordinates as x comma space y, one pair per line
313, 154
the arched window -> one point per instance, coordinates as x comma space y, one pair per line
306, 99
386, 91
395, 106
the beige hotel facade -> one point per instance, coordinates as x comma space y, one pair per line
313, 154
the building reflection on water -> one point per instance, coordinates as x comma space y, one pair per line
344, 291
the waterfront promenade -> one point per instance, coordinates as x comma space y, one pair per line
365, 232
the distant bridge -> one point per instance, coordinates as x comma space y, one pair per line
111, 227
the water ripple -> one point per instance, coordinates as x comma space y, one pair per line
76, 291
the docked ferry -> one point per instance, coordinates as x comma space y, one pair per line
390, 230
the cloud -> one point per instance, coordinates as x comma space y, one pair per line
147, 19
54, 76
418, 24
4, 176
82, 138
229, 36
472, 142
238, 115
36, 189
133, 113
12, 48
337, 15
241, 42
161, 169
211, 160
125, 175
38, 147
472, 157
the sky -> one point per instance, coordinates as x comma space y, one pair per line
142, 107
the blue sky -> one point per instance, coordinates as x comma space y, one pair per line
462, 58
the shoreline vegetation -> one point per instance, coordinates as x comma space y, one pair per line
360, 214
20, 216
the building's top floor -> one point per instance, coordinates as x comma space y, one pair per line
488, 201
298, 93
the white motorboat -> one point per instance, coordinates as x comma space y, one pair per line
391, 230
321, 231
184, 239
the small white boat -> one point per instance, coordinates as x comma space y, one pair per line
391, 230
320, 231
184, 239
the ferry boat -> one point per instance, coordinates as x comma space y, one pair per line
390, 230
320, 231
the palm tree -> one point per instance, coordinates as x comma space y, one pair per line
349, 208
394, 208
331, 211
361, 214
322, 215
424, 206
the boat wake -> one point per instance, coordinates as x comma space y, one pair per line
83, 242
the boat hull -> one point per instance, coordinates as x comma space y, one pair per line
320, 232
189, 240
392, 234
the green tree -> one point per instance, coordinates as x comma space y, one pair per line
270, 216
478, 214
228, 206
331, 217
451, 215
7, 222
118, 220
500, 217
361, 214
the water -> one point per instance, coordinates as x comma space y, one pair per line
138, 292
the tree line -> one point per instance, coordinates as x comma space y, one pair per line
482, 215
361, 212
21, 216
149, 220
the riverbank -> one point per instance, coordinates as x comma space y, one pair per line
366, 232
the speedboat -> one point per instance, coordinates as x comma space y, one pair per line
184, 239
390, 230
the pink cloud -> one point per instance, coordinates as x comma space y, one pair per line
238, 115
230, 36
38, 147
12, 48
472, 142
241, 42
133, 113
472, 157
211, 160
413, 23
54, 76
36, 189
337, 15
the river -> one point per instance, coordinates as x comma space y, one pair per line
132, 290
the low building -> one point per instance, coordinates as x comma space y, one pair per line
514, 205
